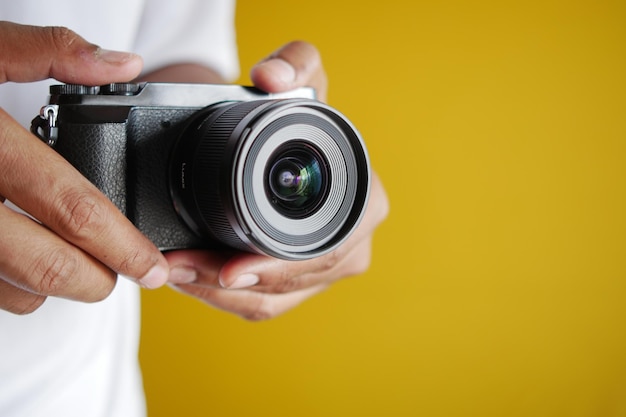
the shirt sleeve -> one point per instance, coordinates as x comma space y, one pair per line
189, 31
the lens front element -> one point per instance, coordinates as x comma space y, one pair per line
297, 179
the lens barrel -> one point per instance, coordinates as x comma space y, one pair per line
286, 178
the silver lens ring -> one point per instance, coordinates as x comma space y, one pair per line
268, 226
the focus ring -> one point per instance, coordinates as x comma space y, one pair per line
213, 171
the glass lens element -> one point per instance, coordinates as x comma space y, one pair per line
296, 181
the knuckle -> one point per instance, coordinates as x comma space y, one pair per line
62, 37
80, 214
57, 274
131, 260
54, 272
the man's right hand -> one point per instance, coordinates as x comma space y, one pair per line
82, 241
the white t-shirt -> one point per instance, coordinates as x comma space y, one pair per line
69, 358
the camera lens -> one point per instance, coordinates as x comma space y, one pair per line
287, 178
297, 179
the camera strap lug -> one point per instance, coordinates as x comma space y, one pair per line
45, 126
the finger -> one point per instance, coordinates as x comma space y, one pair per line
204, 268
273, 275
31, 53
278, 276
297, 64
45, 264
198, 266
42, 183
17, 300
250, 305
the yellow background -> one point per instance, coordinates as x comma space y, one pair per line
498, 282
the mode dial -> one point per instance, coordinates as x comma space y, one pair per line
74, 89
119, 89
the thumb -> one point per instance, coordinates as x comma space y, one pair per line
32, 53
296, 64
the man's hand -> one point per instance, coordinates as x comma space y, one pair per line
82, 240
258, 287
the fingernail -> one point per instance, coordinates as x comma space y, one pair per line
281, 69
244, 281
114, 57
156, 277
182, 275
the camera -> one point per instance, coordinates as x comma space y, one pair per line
216, 166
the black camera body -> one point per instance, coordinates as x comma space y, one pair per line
216, 166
